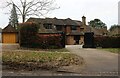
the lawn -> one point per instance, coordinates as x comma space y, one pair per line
40, 60
113, 50
49, 50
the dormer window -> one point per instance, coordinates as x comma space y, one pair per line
59, 28
73, 28
48, 26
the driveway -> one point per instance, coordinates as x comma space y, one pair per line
97, 61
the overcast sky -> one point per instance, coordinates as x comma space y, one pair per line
105, 10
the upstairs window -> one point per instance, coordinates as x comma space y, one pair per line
48, 26
59, 28
73, 28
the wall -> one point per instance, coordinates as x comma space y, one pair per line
78, 29
81, 40
68, 29
70, 40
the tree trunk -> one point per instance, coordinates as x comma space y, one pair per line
23, 18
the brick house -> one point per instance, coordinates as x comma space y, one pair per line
97, 31
73, 29
115, 31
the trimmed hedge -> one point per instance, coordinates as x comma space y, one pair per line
107, 42
30, 38
49, 41
28, 33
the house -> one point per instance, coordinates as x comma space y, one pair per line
9, 34
73, 29
97, 31
115, 31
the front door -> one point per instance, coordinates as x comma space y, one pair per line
77, 38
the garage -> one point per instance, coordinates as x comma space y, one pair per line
9, 35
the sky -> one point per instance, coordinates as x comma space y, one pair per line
105, 10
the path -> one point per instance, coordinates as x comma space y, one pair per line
97, 61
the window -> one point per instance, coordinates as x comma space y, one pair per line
73, 28
59, 28
48, 26
81, 29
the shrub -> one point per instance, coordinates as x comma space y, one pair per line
49, 41
29, 37
28, 32
107, 42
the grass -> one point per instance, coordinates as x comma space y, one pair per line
57, 50
45, 60
49, 50
113, 50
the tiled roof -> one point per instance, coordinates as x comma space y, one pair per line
56, 21
79, 23
70, 22
95, 30
9, 28
76, 33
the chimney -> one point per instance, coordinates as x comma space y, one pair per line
84, 23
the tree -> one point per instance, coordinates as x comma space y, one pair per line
33, 7
97, 23
114, 27
13, 18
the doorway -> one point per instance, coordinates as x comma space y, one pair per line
76, 38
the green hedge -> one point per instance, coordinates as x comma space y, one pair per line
107, 42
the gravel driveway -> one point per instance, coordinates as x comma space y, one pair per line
97, 61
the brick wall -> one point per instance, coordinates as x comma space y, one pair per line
68, 29
81, 40
70, 40
78, 29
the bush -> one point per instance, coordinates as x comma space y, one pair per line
28, 33
29, 37
49, 41
107, 42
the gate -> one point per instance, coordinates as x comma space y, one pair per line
89, 40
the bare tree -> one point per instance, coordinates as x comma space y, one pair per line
33, 7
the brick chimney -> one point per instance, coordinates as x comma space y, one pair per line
84, 23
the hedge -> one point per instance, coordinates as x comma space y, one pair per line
29, 37
107, 42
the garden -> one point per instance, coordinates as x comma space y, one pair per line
35, 60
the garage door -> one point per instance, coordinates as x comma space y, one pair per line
9, 38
